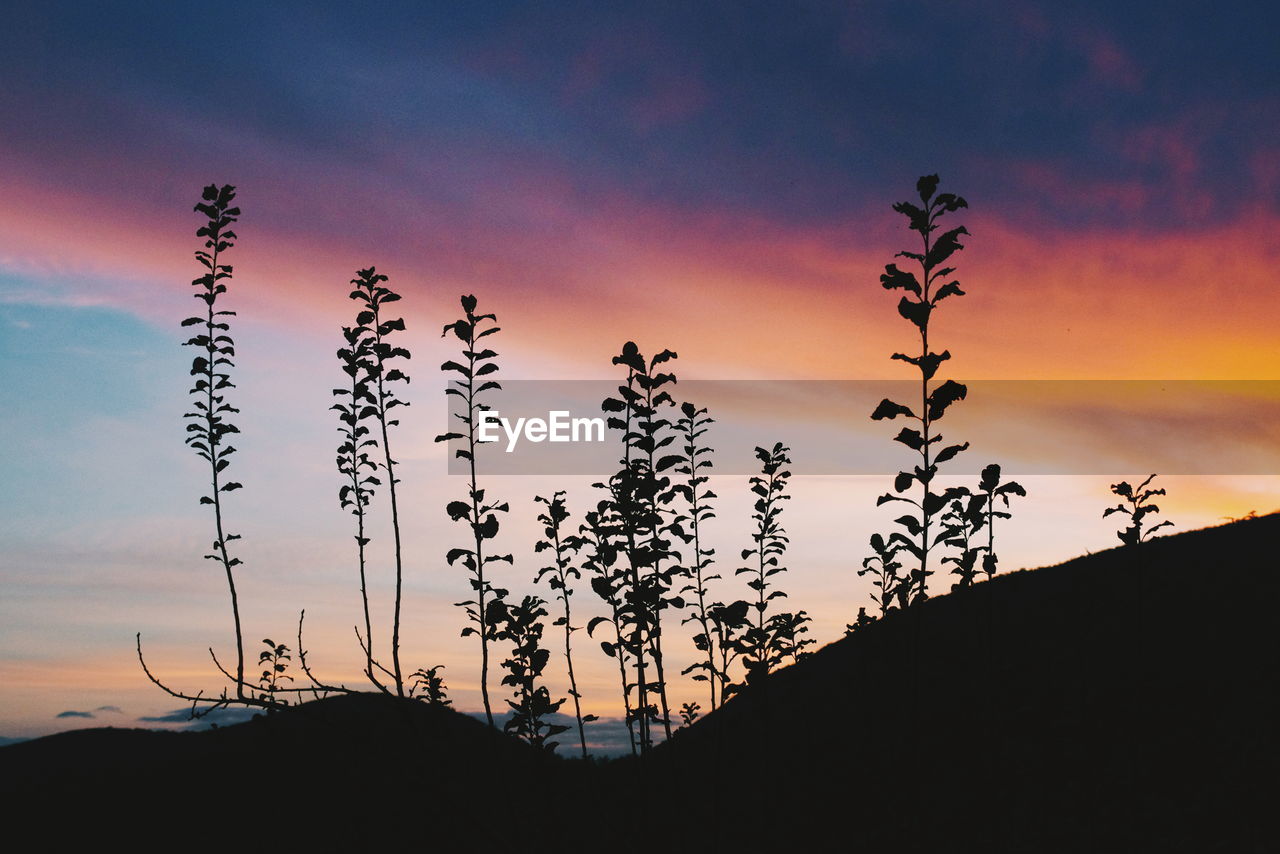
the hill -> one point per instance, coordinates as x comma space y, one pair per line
1121, 701
1117, 702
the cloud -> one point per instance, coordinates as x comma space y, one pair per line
74, 714
221, 717
116, 709
605, 737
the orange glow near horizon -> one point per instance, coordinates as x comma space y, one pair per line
1041, 304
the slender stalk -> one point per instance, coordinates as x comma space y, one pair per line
634, 609
770, 539
560, 573
693, 426
390, 465
657, 545
372, 326
479, 540
596, 535
353, 460
488, 605
207, 432
924, 294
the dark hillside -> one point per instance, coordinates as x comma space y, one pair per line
1118, 702
332, 770
1121, 701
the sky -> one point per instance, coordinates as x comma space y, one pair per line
711, 178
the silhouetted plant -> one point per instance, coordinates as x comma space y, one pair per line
427, 684
883, 567
917, 306
376, 331
357, 404
689, 714
207, 432
630, 590
729, 625
991, 487
787, 629
559, 575
639, 496
210, 424
476, 511
653, 432
692, 427
760, 640
962, 523
1137, 506
598, 536
274, 661
860, 622
522, 625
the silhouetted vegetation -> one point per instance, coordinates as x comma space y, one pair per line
1137, 506
660, 493
208, 427
427, 684
274, 661
769, 638
559, 574
210, 422
1045, 720
356, 466
883, 567
376, 330
729, 625
598, 535
479, 512
923, 295
962, 523
991, 488
521, 623
693, 426
638, 494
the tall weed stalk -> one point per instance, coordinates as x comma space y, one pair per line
478, 511
381, 367
923, 295
558, 575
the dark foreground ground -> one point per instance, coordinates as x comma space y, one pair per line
1117, 702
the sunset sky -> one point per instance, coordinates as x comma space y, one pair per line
713, 178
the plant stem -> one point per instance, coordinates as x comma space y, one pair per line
472, 411
656, 634
395, 510
926, 424
360, 539
215, 437
568, 645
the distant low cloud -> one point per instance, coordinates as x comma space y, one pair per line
75, 714
221, 717
605, 737
115, 709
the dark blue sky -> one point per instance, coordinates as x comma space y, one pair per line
798, 112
